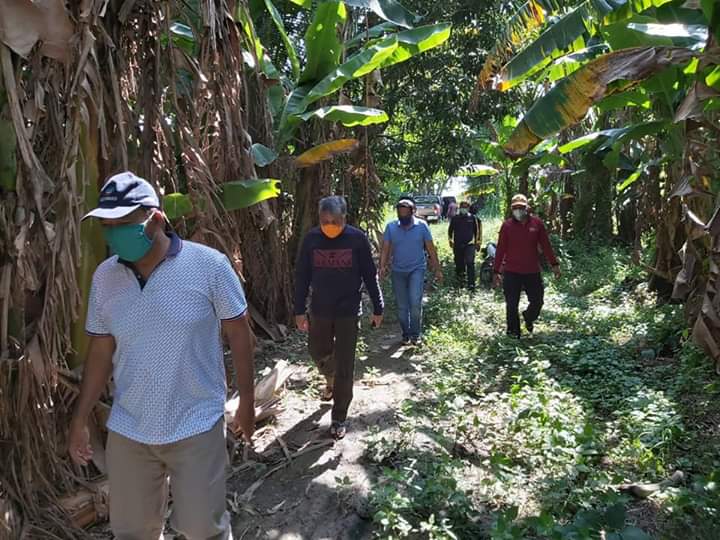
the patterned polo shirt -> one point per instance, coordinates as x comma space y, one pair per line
168, 364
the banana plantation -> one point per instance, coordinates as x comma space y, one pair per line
243, 114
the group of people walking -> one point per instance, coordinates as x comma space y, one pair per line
161, 309
335, 261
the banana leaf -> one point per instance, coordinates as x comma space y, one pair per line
233, 195
363, 62
527, 19
322, 42
416, 41
264, 65
376, 32
569, 101
348, 115
289, 47
649, 34
306, 4
388, 10
569, 34
565, 65
326, 151
637, 97
177, 205
182, 37
290, 118
610, 137
262, 155
245, 193
478, 170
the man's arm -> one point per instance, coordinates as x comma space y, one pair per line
501, 249
478, 233
434, 261
96, 373
370, 278
242, 341
303, 277
548, 250
451, 230
385, 254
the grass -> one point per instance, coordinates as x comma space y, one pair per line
536, 438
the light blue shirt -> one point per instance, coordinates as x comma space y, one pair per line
408, 245
168, 364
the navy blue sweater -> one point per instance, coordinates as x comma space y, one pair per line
336, 269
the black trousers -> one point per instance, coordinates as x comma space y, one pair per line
332, 347
513, 285
465, 263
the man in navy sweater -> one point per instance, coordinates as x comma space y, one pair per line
465, 235
335, 260
517, 260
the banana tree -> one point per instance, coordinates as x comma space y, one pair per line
656, 58
310, 123
330, 63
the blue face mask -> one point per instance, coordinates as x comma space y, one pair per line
129, 242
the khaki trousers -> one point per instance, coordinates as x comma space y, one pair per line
138, 476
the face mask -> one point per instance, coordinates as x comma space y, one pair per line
463, 211
331, 230
129, 242
405, 220
519, 213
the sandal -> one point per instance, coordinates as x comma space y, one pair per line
338, 430
327, 393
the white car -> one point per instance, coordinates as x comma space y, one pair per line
428, 207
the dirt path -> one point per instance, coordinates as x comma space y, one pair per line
321, 493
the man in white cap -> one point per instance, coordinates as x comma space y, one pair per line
408, 243
157, 311
517, 260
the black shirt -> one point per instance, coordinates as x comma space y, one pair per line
336, 269
464, 229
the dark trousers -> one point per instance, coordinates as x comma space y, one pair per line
513, 285
465, 263
332, 347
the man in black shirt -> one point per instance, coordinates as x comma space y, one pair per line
335, 260
465, 234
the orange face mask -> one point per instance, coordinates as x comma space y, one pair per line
331, 230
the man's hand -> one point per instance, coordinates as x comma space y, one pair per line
452, 244
556, 271
478, 247
382, 273
301, 321
497, 280
376, 321
438, 275
79, 444
244, 421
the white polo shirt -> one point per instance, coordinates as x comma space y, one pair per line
168, 364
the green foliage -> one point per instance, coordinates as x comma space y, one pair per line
532, 438
429, 136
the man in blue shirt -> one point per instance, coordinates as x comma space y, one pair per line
156, 315
406, 242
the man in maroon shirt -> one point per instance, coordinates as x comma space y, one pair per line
518, 260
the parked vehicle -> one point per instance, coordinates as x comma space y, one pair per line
429, 207
486, 268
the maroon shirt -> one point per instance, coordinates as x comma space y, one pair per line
518, 246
